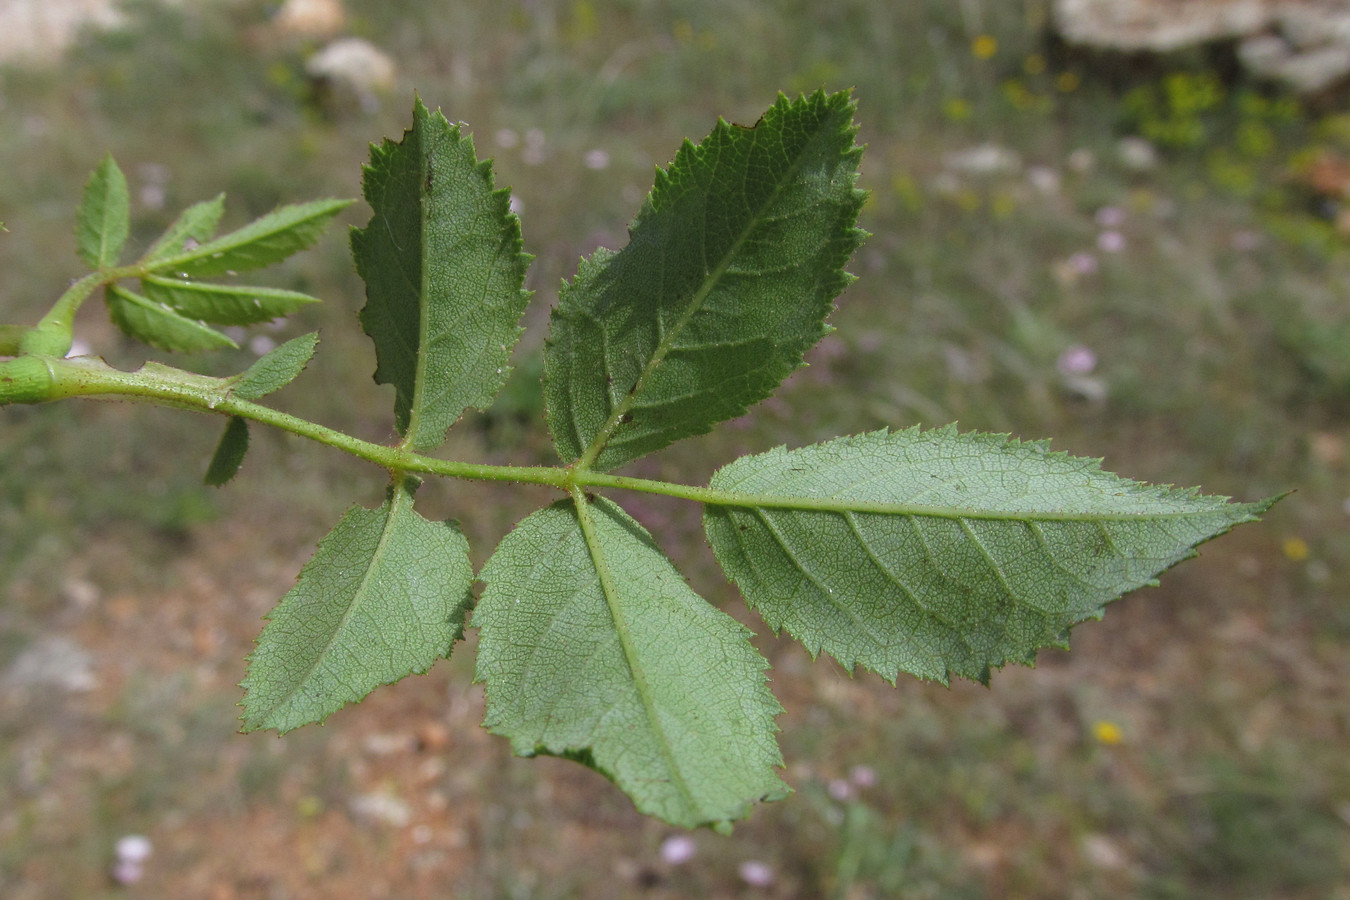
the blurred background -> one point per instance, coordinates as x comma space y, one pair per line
1122, 225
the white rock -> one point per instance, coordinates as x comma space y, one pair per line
54, 661
1310, 24
1312, 71
1103, 852
1302, 45
353, 67
39, 30
1157, 26
1137, 153
314, 19
984, 159
381, 807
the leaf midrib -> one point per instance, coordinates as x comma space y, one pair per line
397, 501
108, 224
710, 281
610, 591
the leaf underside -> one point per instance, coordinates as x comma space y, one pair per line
592, 647
938, 553
732, 267
230, 453
384, 597
444, 274
223, 304
159, 326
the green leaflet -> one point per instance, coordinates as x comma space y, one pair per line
197, 222
276, 369
732, 267
223, 304
104, 217
159, 326
270, 239
444, 276
941, 553
230, 453
384, 597
592, 646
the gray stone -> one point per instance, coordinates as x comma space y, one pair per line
353, 69
1156, 26
1301, 45
53, 661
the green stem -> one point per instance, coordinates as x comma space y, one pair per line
56, 379
9, 339
52, 335
62, 313
165, 386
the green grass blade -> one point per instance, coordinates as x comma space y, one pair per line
224, 304
384, 597
938, 553
734, 263
444, 276
104, 217
593, 647
157, 325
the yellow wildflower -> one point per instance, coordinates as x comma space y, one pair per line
1295, 548
984, 46
1107, 733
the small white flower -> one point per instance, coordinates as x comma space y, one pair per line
1044, 179
756, 873
1076, 360
1083, 264
134, 848
678, 849
1110, 217
1111, 241
535, 147
863, 776
125, 872
152, 196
